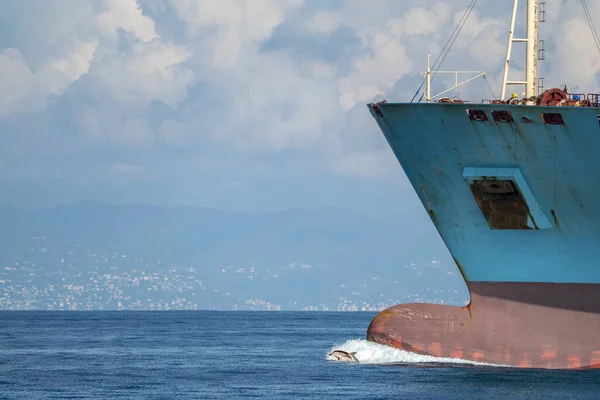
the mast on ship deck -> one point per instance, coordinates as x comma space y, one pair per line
531, 60
531, 41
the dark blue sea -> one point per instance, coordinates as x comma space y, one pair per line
237, 355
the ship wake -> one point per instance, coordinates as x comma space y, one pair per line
374, 353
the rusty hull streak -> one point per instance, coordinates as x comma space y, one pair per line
510, 324
460, 269
556, 224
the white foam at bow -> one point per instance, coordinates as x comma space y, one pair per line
374, 353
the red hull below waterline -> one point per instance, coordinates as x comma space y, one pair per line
528, 325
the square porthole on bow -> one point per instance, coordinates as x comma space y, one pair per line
502, 116
552, 119
477, 115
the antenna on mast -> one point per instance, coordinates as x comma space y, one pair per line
531, 56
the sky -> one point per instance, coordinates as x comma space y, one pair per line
248, 105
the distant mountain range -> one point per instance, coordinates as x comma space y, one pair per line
350, 247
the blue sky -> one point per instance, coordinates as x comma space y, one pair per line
254, 105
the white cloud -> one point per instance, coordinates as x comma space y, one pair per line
574, 58
236, 80
322, 23
228, 28
148, 72
13, 91
24, 90
126, 15
422, 21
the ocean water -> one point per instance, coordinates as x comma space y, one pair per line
237, 355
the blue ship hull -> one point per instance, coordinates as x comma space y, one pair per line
513, 190
556, 166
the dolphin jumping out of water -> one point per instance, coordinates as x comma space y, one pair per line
344, 356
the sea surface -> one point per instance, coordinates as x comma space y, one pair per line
237, 355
